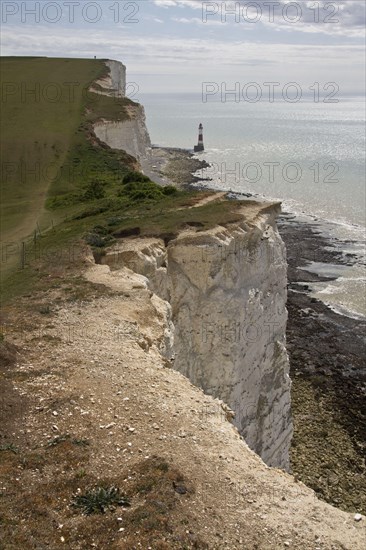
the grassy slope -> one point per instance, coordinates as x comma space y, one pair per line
60, 133
37, 130
46, 147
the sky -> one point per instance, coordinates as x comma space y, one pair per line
180, 46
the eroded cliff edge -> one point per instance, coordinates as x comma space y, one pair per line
226, 290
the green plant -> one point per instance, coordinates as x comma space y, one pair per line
170, 190
66, 437
9, 447
133, 176
100, 499
80, 442
58, 439
95, 190
99, 237
138, 191
114, 220
62, 201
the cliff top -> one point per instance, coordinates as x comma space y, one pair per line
100, 407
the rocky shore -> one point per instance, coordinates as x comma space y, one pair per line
172, 165
329, 377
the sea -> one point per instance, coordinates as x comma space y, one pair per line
309, 155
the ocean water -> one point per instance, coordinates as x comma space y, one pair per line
311, 156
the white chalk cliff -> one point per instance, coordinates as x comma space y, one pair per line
225, 291
114, 83
228, 296
226, 288
129, 135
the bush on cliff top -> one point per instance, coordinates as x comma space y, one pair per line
137, 187
133, 176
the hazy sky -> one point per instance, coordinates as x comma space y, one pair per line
175, 45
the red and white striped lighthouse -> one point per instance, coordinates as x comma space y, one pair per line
200, 146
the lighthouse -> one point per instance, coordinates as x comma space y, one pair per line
199, 146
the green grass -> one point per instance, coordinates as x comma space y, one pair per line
102, 222
91, 193
49, 154
45, 147
37, 133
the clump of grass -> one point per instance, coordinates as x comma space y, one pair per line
319, 381
9, 447
80, 442
100, 499
170, 190
57, 440
66, 437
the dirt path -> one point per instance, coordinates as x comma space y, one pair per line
206, 200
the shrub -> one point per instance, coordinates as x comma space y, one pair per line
95, 240
99, 237
170, 190
95, 190
114, 220
141, 191
134, 176
137, 187
100, 230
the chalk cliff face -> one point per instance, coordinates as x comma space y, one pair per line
115, 82
228, 295
129, 135
227, 291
